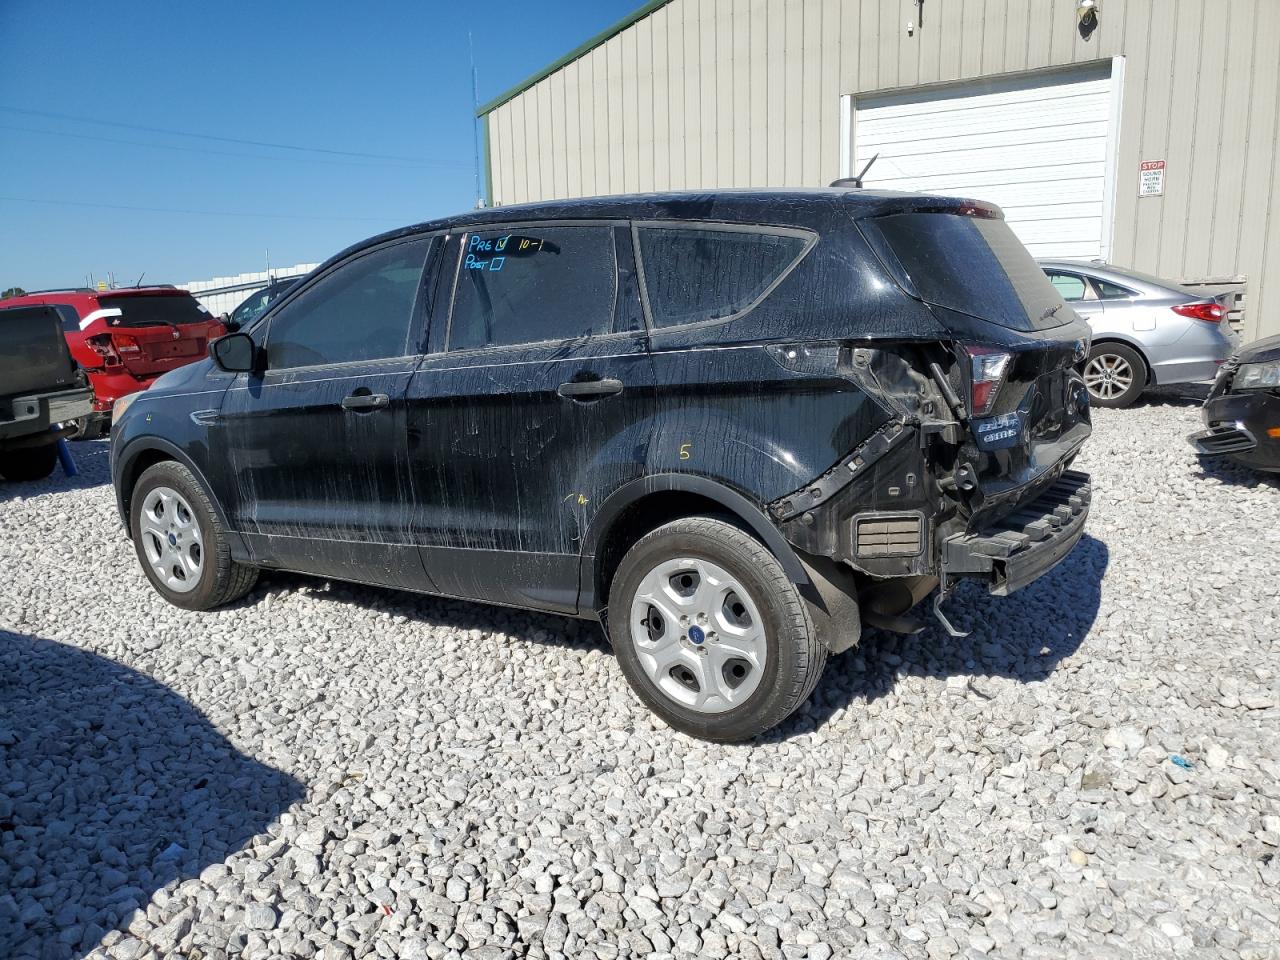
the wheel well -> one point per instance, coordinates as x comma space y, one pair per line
645, 515
1132, 346
129, 479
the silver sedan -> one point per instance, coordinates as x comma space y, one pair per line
1146, 331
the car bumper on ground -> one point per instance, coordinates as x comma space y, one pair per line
1243, 426
1026, 544
31, 416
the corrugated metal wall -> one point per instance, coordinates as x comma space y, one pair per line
717, 93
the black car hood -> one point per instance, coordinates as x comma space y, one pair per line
183, 379
1262, 350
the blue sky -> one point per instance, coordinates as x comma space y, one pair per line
392, 80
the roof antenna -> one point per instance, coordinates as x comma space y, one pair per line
855, 181
140, 276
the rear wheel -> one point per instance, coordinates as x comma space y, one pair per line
90, 428
29, 463
1115, 375
710, 632
180, 543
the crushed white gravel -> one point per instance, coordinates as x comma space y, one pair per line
335, 771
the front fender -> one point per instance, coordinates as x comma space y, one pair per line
124, 475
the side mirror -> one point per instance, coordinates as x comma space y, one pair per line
235, 353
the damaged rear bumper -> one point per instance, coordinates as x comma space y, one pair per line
1026, 544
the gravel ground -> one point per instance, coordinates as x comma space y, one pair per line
334, 771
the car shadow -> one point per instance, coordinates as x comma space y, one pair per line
93, 468
528, 626
1021, 637
1177, 395
1227, 471
111, 787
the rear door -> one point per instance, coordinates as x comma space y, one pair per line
319, 479
156, 333
530, 408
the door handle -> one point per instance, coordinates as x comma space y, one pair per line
589, 389
366, 401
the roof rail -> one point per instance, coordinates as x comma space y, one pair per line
32, 293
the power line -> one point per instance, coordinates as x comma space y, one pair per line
208, 136
199, 213
222, 153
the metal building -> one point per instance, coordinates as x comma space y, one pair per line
1150, 142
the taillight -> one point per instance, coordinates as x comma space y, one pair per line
101, 345
1209, 311
987, 367
126, 344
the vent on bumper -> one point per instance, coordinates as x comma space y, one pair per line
1223, 438
888, 535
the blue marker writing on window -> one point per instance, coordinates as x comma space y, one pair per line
497, 262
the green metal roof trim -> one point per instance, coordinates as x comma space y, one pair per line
574, 54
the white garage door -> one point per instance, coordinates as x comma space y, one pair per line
1037, 145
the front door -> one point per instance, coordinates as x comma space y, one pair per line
317, 442
529, 410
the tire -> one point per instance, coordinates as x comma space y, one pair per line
169, 506
1115, 375
704, 566
29, 463
90, 428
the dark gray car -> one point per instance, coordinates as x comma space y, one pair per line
1146, 331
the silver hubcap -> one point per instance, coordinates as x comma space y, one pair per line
1108, 376
698, 635
171, 539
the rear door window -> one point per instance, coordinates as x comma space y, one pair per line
971, 264
1070, 287
695, 273
155, 311
532, 284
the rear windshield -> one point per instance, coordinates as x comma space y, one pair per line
154, 311
971, 264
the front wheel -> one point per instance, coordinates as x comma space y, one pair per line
180, 543
1114, 375
710, 632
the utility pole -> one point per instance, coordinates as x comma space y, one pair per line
475, 120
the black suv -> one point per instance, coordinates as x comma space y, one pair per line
735, 427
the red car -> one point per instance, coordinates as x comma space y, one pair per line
125, 339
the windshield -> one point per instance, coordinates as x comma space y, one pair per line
255, 305
175, 309
975, 265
